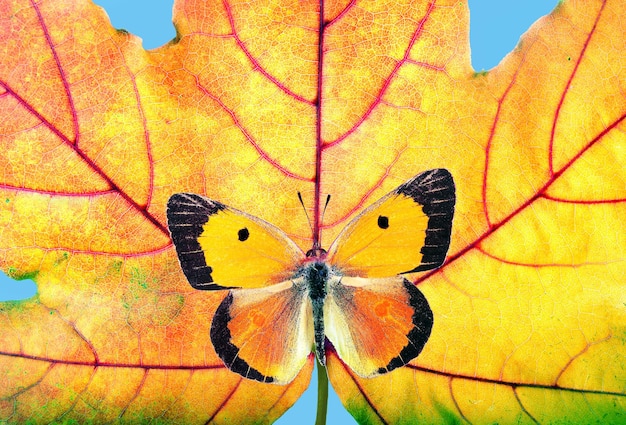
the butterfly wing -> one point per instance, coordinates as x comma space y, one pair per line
220, 247
406, 231
264, 334
376, 320
376, 324
262, 330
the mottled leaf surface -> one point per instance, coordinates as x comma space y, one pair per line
254, 101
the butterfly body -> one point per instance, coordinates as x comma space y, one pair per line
315, 278
282, 303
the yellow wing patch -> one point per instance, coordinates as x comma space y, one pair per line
407, 230
220, 247
245, 252
382, 241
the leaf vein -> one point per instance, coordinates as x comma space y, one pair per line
514, 384
566, 89
57, 60
255, 63
521, 405
264, 155
99, 171
387, 83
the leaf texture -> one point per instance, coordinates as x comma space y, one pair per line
253, 102
529, 309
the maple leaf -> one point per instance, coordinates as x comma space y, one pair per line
253, 102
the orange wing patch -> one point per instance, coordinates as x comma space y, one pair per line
377, 325
264, 334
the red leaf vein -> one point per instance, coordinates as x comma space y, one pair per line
492, 133
584, 201
66, 85
538, 266
136, 393
580, 353
79, 396
540, 193
456, 403
226, 400
146, 135
512, 384
257, 66
99, 171
567, 86
102, 364
521, 405
264, 155
387, 83
55, 193
341, 14
363, 392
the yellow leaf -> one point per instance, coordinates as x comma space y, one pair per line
255, 101
529, 310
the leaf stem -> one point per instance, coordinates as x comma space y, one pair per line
322, 394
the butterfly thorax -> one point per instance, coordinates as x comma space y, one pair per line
316, 276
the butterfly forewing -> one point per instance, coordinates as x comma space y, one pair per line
220, 247
376, 324
264, 334
406, 231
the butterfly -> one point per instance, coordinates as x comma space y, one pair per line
283, 304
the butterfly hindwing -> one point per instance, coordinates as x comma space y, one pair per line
264, 334
376, 324
220, 247
406, 231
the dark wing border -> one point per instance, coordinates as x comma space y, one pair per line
225, 349
434, 190
187, 213
423, 321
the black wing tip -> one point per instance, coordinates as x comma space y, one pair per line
187, 213
429, 185
190, 210
435, 191
226, 350
192, 202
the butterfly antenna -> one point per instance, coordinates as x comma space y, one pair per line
318, 242
325, 205
305, 213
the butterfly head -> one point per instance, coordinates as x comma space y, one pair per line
316, 253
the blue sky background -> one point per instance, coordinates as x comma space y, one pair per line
495, 28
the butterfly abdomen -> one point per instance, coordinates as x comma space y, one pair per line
316, 276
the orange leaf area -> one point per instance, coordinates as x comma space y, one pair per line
255, 101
